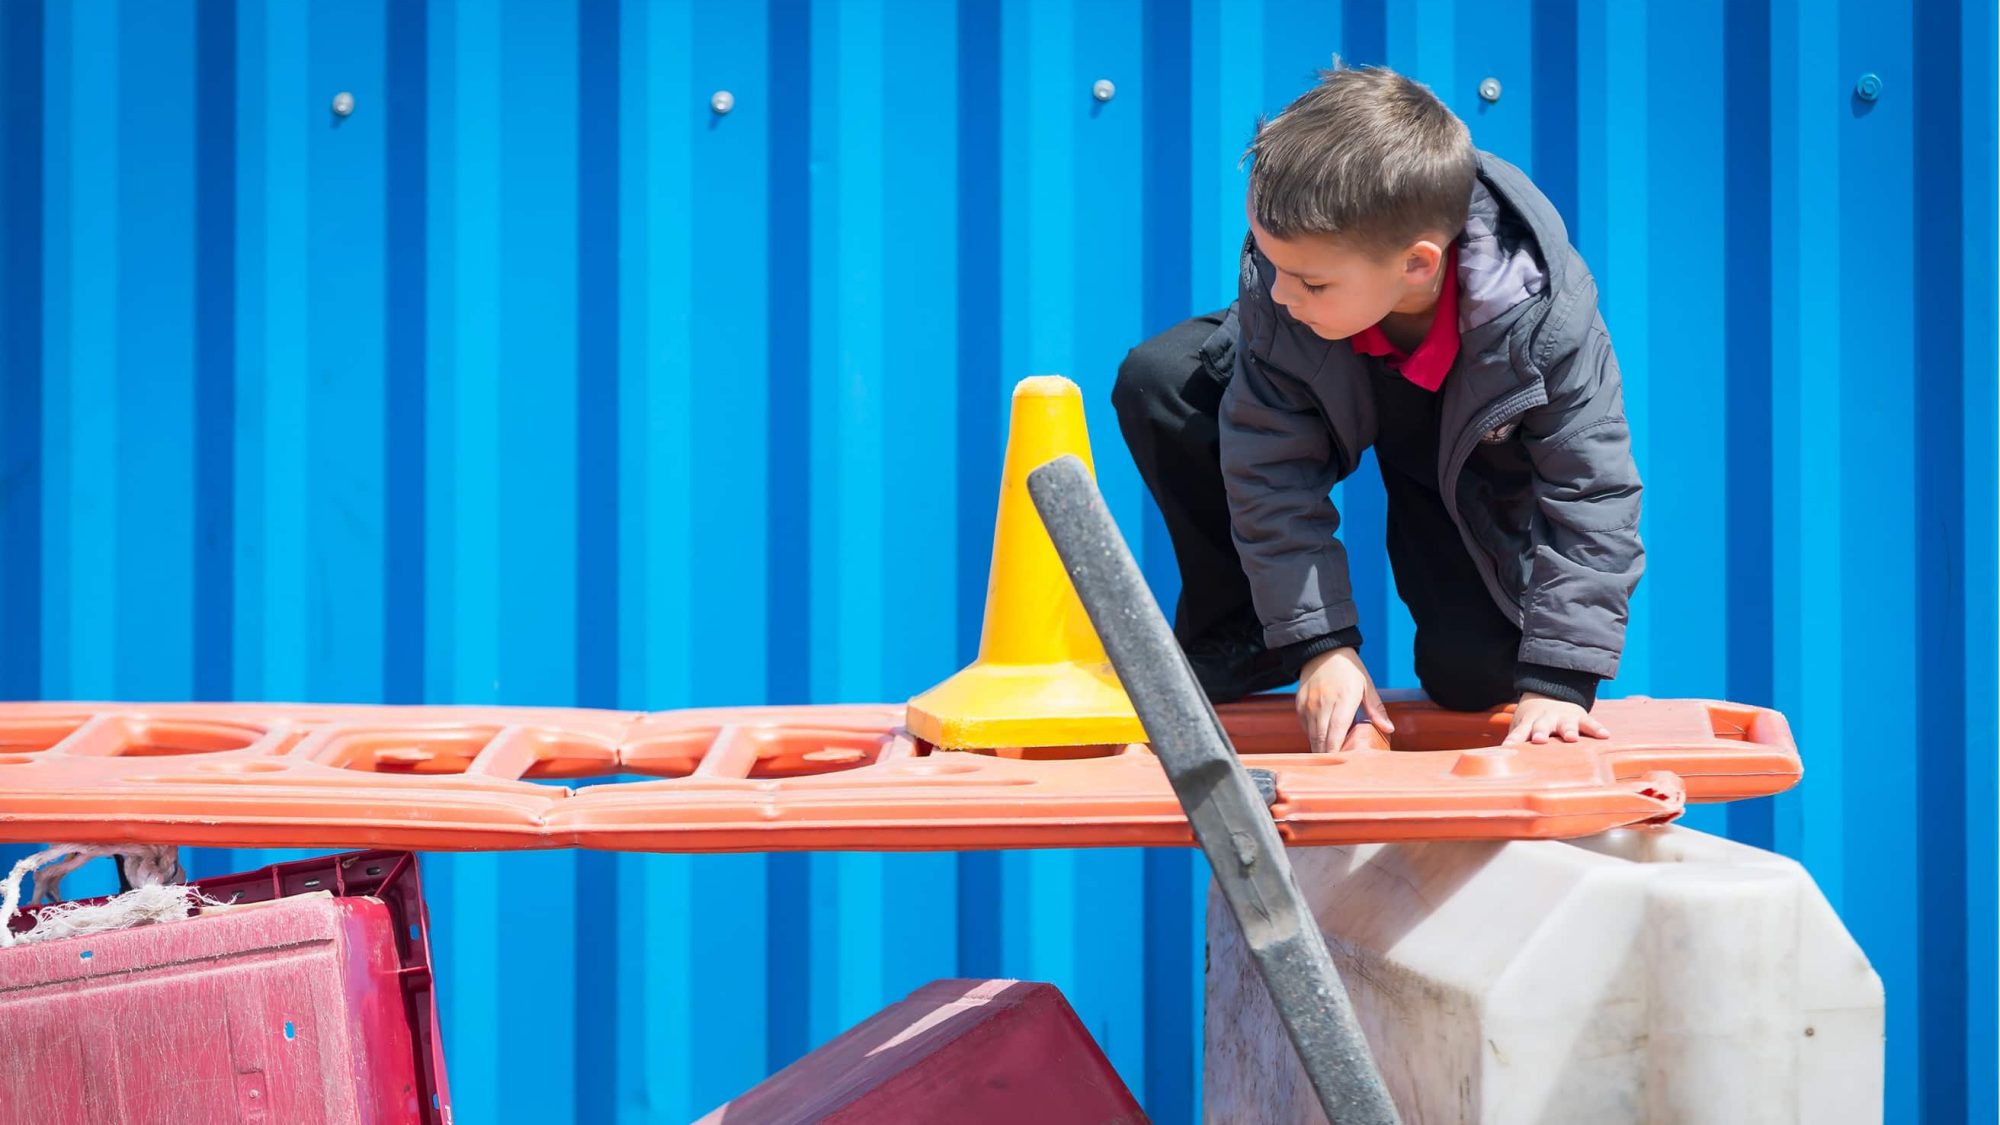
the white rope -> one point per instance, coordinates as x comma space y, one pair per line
153, 870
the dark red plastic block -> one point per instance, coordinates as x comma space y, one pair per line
295, 1011
971, 1052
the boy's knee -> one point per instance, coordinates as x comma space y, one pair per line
1147, 373
1468, 688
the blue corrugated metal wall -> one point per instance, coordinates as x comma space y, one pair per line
534, 381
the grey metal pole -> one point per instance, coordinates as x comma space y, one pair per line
1230, 820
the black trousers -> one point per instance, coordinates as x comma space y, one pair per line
1168, 393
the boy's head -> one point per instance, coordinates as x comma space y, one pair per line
1356, 189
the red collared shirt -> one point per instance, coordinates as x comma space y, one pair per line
1431, 362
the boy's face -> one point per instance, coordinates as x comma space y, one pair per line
1337, 290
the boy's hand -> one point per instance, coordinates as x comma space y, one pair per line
1332, 687
1537, 717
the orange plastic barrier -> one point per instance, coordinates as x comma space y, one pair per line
812, 778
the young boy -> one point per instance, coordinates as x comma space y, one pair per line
1401, 290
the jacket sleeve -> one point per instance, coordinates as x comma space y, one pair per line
1588, 557
1279, 462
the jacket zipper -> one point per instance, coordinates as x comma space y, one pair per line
1508, 409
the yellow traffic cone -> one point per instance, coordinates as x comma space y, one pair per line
1042, 678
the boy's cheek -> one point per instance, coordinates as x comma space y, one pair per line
1331, 324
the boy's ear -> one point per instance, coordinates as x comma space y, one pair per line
1421, 261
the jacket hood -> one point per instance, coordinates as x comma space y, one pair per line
1515, 248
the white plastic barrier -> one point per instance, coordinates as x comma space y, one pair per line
1640, 976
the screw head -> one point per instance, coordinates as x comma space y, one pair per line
343, 104
1869, 87
722, 102
1103, 90
1489, 90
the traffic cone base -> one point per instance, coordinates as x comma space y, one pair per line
990, 706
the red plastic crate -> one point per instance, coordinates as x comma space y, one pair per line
316, 1009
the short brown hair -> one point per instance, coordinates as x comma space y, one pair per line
1367, 156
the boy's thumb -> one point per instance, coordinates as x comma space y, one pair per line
1377, 713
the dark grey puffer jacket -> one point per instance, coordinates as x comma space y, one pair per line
1535, 366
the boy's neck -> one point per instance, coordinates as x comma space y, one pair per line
1406, 327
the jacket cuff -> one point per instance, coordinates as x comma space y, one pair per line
1566, 684
1298, 652
1335, 618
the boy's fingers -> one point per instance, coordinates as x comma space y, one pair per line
1569, 733
1333, 723
1595, 729
1316, 715
1316, 732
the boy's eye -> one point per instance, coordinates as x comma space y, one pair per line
1311, 288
